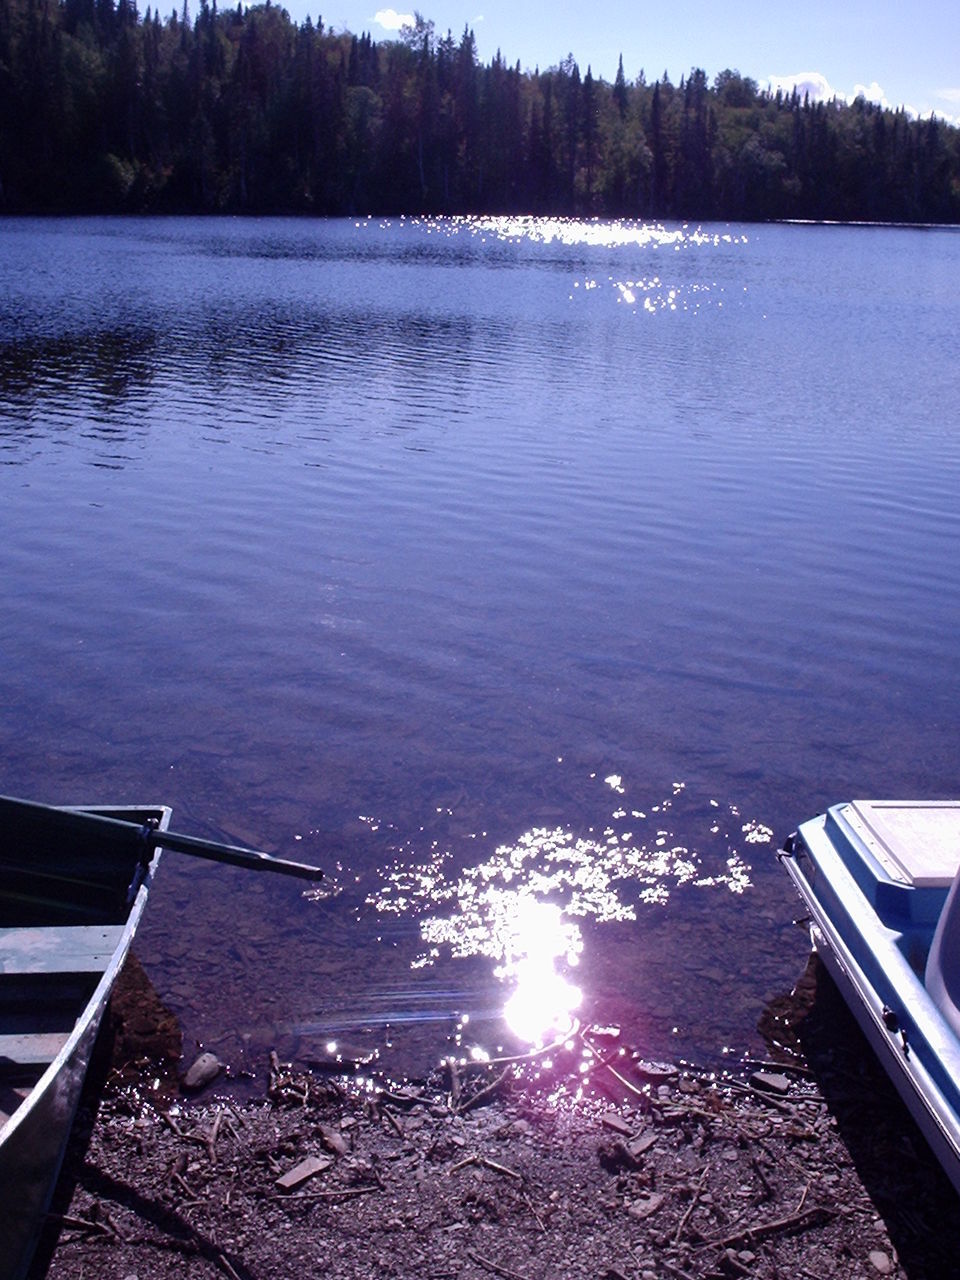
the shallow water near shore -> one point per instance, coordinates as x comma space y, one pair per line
534, 578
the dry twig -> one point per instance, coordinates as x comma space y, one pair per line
694, 1201
529, 1203
497, 1270
334, 1193
84, 1224
213, 1135
486, 1092
793, 1221
392, 1120
486, 1164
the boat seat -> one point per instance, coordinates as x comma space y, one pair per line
942, 976
914, 841
31, 1049
59, 949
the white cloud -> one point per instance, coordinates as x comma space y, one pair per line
812, 82
953, 97
872, 93
821, 90
390, 20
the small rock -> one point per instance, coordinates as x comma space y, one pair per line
204, 1069
610, 1120
654, 1072
616, 1155
300, 1172
881, 1262
333, 1141
645, 1206
771, 1081
611, 1032
641, 1145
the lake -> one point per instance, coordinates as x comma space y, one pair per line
534, 578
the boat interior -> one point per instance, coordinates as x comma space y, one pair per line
942, 973
65, 897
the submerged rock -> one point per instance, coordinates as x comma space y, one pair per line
204, 1068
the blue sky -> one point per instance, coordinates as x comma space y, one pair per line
896, 52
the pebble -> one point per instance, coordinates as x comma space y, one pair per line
204, 1069
881, 1262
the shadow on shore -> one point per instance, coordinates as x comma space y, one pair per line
137, 1030
912, 1194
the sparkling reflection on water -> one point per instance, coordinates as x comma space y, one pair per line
532, 576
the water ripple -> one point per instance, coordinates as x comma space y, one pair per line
308, 519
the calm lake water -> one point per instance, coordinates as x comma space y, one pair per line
533, 578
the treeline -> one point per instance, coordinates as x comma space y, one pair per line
243, 111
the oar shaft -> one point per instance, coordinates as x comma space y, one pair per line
24, 823
234, 855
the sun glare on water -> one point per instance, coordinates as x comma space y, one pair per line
543, 1002
522, 905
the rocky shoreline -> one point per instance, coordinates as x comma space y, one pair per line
524, 1169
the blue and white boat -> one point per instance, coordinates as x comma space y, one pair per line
881, 882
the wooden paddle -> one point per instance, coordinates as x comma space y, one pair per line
25, 820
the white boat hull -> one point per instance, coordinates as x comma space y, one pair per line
872, 927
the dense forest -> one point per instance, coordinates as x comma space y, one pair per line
102, 109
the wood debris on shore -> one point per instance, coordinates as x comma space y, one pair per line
490, 1172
